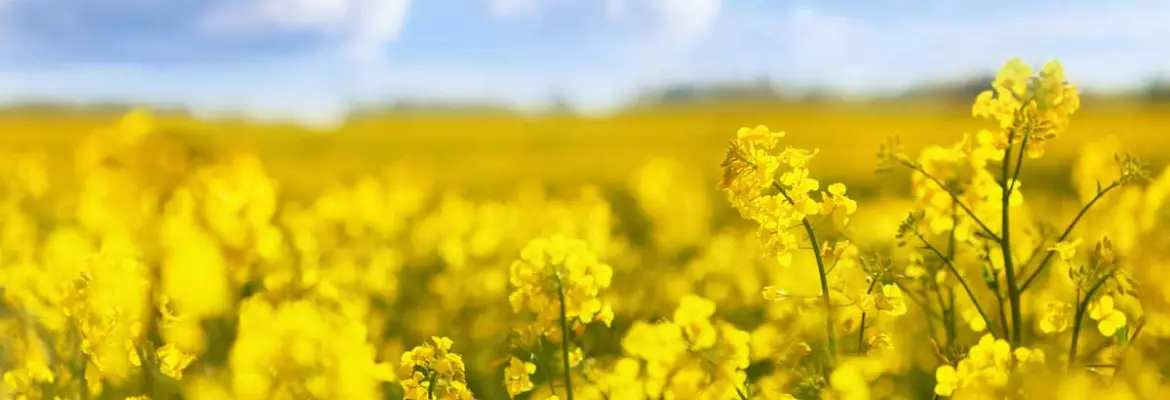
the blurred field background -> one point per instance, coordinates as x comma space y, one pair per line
277, 257
476, 149
464, 188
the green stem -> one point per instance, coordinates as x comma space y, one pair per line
1005, 245
952, 247
999, 301
565, 342
1083, 306
948, 314
955, 271
147, 372
812, 237
1019, 164
1067, 231
861, 330
951, 326
431, 387
929, 322
1002, 317
829, 321
922, 303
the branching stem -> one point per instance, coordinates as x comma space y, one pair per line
1082, 306
1005, 244
955, 271
1067, 231
954, 197
812, 237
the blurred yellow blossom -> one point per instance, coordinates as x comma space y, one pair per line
1109, 319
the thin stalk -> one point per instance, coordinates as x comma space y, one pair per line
922, 303
861, 331
948, 313
812, 237
829, 321
951, 248
954, 197
1067, 231
1005, 245
955, 271
84, 381
930, 323
565, 342
81, 362
545, 368
954, 331
999, 303
431, 387
147, 372
1002, 317
1121, 357
1019, 164
1082, 306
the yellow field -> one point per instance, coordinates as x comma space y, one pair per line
162, 256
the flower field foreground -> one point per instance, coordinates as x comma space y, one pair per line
162, 271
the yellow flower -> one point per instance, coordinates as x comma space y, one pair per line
760, 134
916, 266
1037, 106
517, 376
1027, 359
974, 320
892, 302
1056, 317
1066, 249
173, 361
773, 188
693, 315
774, 293
945, 380
557, 267
432, 368
839, 205
1109, 319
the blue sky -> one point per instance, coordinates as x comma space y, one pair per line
311, 59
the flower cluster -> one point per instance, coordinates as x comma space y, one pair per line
558, 273
299, 349
690, 356
772, 187
987, 369
944, 177
1027, 107
432, 371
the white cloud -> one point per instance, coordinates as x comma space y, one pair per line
686, 20
303, 13
302, 89
822, 35
615, 8
866, 53
677, 21
364, 27
510, 9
